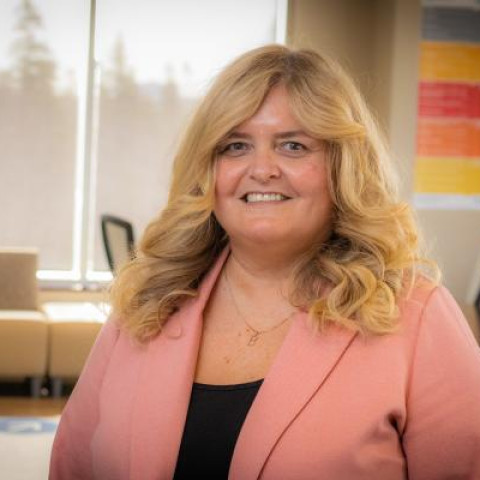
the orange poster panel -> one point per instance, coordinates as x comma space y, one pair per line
447, 175
448, 138
449, 61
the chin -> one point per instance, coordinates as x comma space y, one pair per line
271, 238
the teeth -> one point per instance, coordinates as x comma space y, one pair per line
264, 197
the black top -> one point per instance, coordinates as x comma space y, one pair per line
214, 419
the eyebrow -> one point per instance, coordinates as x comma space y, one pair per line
288, 134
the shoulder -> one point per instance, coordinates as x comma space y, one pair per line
109, 334
428, 306
112, 344
438, 336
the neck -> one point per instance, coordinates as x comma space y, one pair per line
256, 298
262, 271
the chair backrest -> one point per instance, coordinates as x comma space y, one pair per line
18, 279
473, 292
118, 240
477, 304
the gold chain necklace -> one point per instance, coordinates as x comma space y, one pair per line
256, 333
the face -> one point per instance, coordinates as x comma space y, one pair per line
271, 180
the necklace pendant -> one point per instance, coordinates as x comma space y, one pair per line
253, 339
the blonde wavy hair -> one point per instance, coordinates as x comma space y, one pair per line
373, 251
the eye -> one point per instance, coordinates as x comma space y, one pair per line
233, 149
293, 148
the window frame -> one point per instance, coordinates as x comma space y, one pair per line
81, 276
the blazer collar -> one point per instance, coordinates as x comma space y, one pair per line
303, 364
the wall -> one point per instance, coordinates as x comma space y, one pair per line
341, 29
454, 235
378, 42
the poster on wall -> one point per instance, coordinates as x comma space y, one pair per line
447, 167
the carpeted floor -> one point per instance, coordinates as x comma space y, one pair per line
25, 445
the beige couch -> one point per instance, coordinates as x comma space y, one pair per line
35, 343
23, 327
72, 328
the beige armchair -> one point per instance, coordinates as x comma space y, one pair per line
73, 328
23, 327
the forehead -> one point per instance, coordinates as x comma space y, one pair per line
274, 111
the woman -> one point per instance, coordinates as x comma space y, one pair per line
279, 321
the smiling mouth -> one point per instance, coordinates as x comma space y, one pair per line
256, 197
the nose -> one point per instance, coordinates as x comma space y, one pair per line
264, 166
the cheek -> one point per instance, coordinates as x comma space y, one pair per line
226, 178
312, 180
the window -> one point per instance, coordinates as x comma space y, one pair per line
41, 63
87, 135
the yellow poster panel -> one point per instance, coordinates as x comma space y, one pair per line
447, 175
449, 61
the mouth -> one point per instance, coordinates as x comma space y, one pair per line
257, 197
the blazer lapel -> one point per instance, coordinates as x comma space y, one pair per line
303, 364
164, 388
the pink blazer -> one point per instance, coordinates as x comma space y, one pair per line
334, 406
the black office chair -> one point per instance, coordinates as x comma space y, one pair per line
477, 304
118, 240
